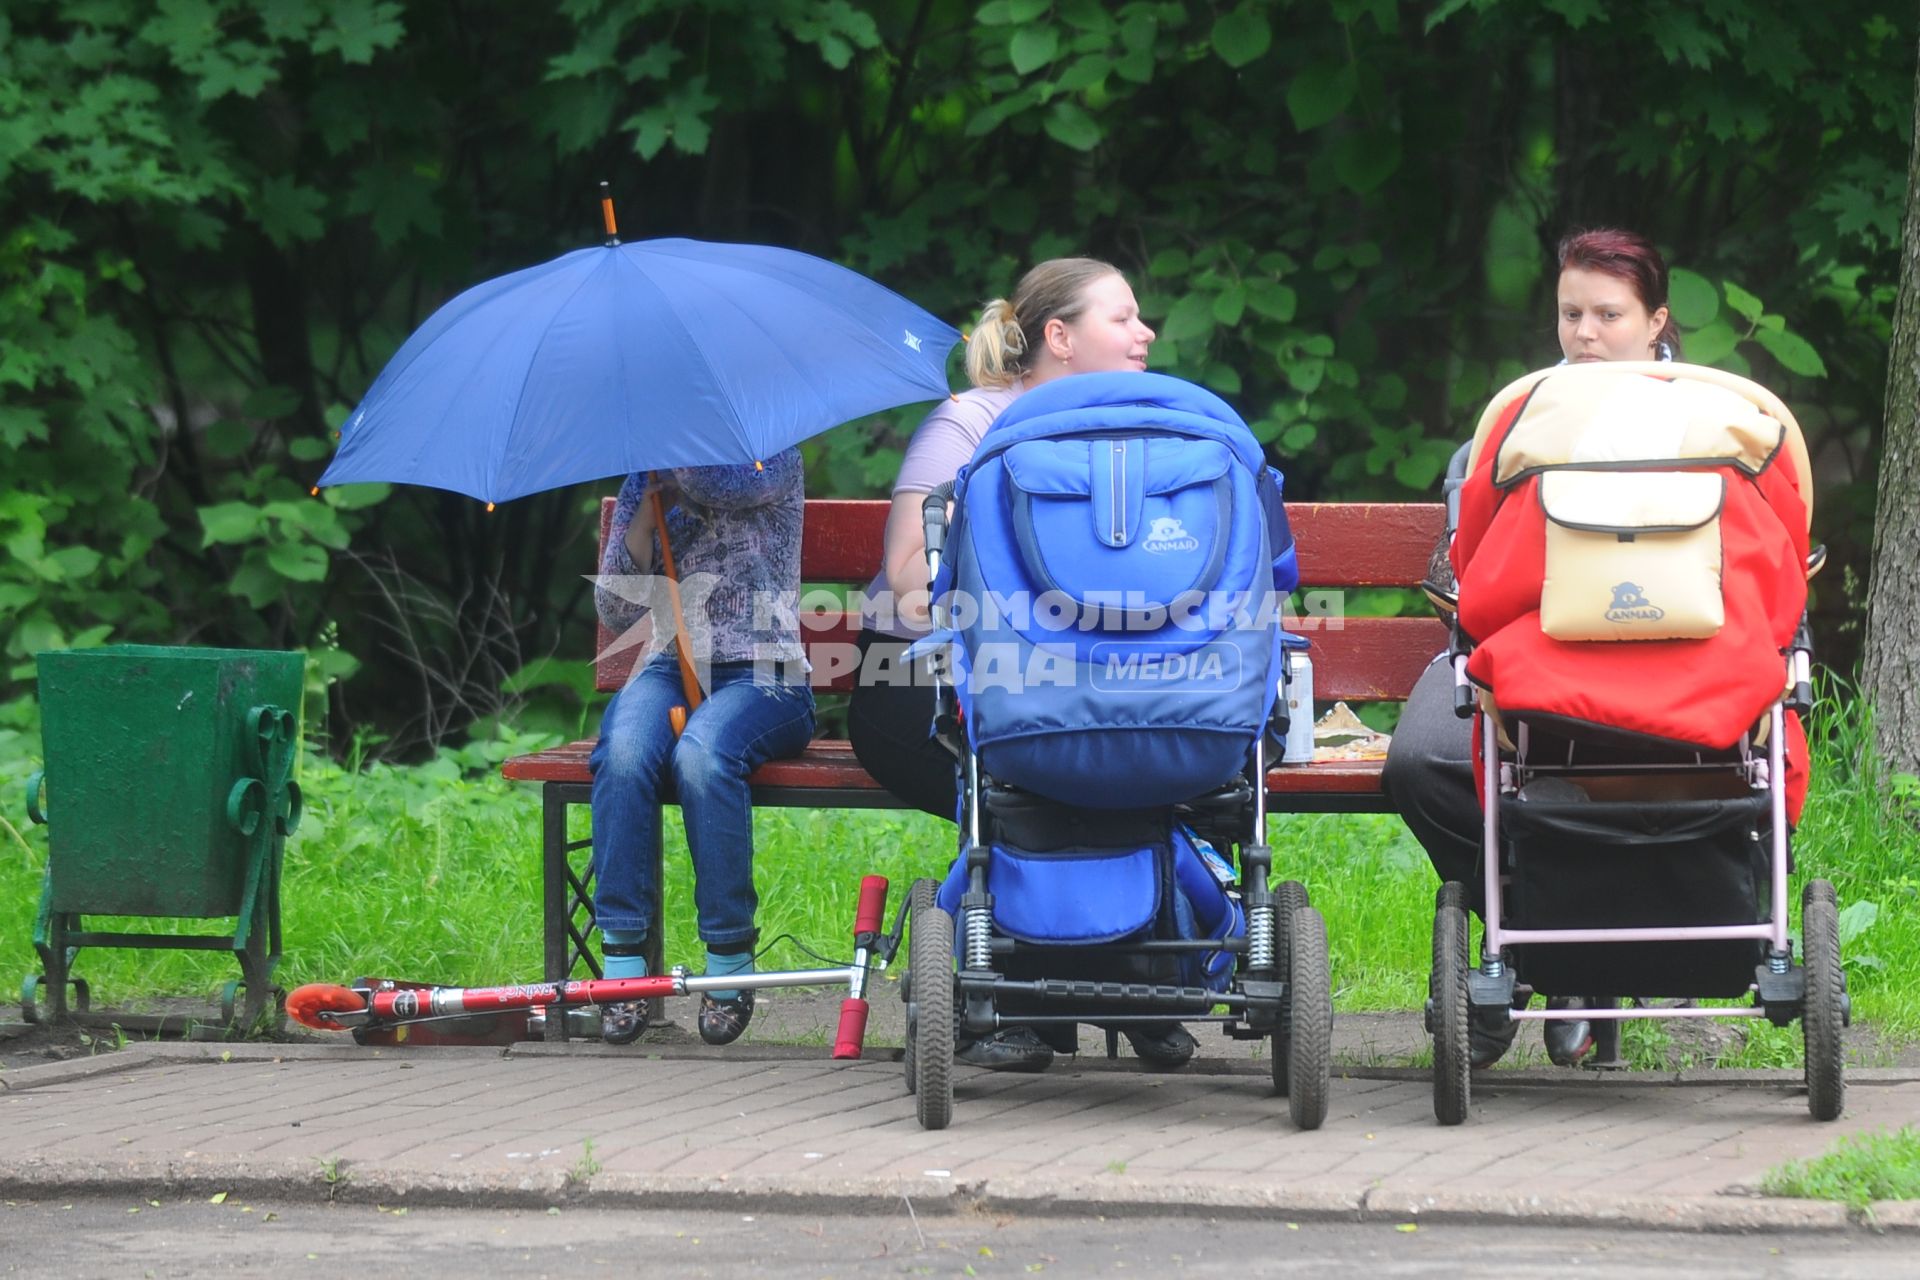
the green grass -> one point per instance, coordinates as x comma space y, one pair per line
1370, 879
1863, 837
1857, 1171
433, 873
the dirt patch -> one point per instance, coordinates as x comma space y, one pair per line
23, 1044
28, 1044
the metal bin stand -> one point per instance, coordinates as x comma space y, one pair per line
169, 792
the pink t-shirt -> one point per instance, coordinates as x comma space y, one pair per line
941, 445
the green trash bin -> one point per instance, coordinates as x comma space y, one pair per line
169, 792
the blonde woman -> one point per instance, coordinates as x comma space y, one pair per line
1066, 316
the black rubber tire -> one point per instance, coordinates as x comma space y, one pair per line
1447, 988
1289, 896
930, 965
1309, 1051
921, 895
919, 898
1823, 1014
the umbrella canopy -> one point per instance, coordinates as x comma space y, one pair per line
631, 357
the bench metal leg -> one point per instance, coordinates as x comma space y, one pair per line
557, 901
567, 901
566, 894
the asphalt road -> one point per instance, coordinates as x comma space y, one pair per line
126, 1237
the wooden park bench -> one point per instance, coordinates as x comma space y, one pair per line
1360, 660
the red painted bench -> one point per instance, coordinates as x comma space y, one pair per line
1341, 546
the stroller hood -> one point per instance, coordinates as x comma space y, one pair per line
1632, 550
1118, 563
1108, 402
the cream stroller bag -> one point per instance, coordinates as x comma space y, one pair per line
1632, 555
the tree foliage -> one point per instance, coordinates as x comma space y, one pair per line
223, 215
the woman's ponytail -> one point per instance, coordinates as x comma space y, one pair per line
1010, 334
996, 349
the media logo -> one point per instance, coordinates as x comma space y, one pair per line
1134, 667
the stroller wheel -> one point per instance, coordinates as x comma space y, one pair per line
1289, 896
930, 1029
1309, 1050
919, 898
1824, 1012
1447, 993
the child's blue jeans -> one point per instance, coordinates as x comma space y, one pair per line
637, 764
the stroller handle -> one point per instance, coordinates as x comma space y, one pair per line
933, 517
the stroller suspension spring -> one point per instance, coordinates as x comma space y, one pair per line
979, 932
1260, 937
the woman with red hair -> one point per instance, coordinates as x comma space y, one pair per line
1613, 299
1610, 304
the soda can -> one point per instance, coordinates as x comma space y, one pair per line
1299, 695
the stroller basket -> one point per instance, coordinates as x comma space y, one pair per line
1628, 864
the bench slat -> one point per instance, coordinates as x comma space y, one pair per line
1364, 544
830, 764
841, 538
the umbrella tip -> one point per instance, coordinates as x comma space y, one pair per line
758, 465
314, 492
489, 508
606, 215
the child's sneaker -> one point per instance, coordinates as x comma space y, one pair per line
722, 1021
623, 1021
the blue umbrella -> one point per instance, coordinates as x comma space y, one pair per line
632, 357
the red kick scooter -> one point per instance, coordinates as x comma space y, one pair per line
375, 1008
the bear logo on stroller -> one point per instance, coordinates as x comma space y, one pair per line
1630, 605
1168, 534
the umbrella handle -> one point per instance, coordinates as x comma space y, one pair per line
689, 682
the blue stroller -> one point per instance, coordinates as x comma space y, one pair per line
1110, 636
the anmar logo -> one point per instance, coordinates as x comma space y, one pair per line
1630, 606
1168, 534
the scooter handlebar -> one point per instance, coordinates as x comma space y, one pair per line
853, 1028
872, 911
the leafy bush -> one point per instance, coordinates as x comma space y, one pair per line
224, 218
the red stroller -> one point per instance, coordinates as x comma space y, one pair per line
1631, 644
